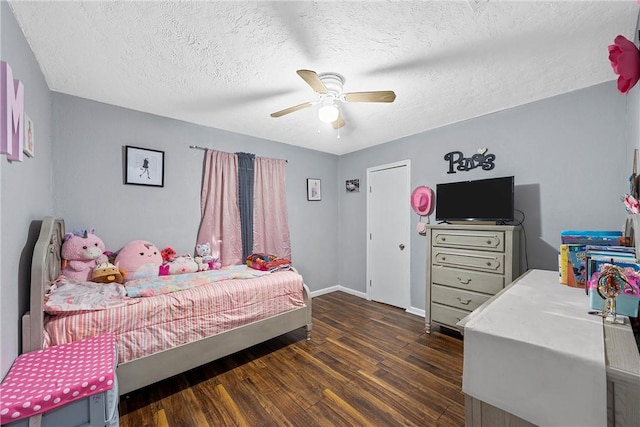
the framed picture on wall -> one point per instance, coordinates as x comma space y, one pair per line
314, 191
144, 166
352, 185
29, 137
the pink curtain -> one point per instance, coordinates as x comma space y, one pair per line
270, 219
219, 206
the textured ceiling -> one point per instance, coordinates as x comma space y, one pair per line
228, 65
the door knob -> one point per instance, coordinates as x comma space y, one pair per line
401, 246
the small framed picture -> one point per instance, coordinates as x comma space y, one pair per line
144, 166
314, 192
352, 185
29, 137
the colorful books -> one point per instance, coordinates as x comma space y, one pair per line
596, 256
591, 237
573, 266
583, 254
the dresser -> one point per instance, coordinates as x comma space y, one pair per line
466, 265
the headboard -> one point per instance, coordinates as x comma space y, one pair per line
45, 267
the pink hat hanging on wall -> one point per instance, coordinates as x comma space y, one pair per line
625, 61
422, 204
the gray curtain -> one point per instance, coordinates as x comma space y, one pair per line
245, 201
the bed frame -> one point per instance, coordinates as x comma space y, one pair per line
147, 370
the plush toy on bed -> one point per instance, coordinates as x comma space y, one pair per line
204, 250
183, 264
105, 272
202, 265
81, 251
180, 265
168, 254
139, 259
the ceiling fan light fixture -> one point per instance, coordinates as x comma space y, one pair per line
328, 113
328, 87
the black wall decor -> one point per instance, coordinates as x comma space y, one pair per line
461, 163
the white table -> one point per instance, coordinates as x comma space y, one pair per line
536, 353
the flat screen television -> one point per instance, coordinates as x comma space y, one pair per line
479, 200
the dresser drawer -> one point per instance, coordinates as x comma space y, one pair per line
475, 260
465, 279
447, 315
458, 298
472, 239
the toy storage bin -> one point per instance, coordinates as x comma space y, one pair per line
70, 385
625, 305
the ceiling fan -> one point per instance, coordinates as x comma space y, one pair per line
329, 88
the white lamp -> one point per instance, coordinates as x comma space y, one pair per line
328, 113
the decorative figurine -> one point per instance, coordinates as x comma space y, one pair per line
611, 282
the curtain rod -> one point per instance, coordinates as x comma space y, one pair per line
197, 147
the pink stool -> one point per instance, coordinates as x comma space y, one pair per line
43, 380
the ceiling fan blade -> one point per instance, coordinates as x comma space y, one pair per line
313, 80
291, 109
378, 96
339, 121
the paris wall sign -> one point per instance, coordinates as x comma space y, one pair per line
459, 163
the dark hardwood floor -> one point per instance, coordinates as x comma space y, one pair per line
367, 364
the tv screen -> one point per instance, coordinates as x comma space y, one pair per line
480, 200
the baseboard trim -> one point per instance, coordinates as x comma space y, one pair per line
336, 289
411, 310
416, 311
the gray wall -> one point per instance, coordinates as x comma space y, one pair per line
26, 189
570, 156
89, 191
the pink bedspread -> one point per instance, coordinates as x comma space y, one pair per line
161, 322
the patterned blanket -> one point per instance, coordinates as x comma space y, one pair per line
152, 286
266, 262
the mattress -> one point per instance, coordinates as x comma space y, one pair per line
161, 322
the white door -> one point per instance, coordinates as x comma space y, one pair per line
388, 223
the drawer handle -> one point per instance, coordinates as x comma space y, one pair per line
488, 263
489, 242
463, 302
464, 281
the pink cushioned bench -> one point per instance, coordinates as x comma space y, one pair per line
43, 380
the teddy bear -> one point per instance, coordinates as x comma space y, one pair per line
81, 251
204, 250
139, 259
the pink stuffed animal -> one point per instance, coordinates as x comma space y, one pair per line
139, 259
183, 264
82, 250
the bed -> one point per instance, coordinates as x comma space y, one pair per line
148, 369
